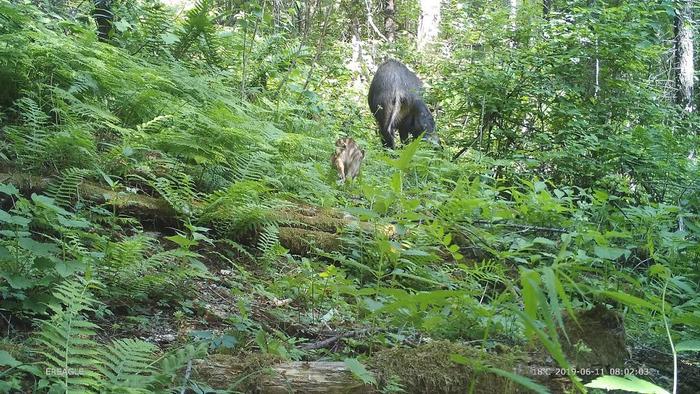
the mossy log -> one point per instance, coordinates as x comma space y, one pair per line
300, 241
431, 367
300, 230
424, 369
222, 371
137, 203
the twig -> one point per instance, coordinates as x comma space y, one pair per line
335, 338
252, 43
524, 226
188, 372
319, 47
371, 22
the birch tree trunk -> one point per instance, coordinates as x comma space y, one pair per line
513, 13
684, 68
389, 22
512, 16
684, 56
428, 23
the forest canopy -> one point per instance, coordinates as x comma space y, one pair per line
349, 196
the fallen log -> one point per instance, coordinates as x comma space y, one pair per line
301, 241
426, 368
222, 371
300, 231
146, 205
437, 366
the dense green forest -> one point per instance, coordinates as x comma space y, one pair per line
172, 218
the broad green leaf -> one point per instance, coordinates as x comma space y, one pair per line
9, 190
540, 186
70, 223
13, 219
18, 281
521, 380
608, 253
68, 268
396, 182
692, 345
7, 360
404, 161
49, 203
530, 281
551, 283
181, 241
169, 38
359, 370
122, 25
5, 253
630, 300
44, 263
544, 241
627, 383
38, 248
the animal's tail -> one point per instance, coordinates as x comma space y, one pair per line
395, 108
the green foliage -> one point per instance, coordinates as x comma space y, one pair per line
74, 361
359, 371
556, 187
66, 341
199, 30
128, 364
626, 383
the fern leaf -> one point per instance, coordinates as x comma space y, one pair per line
65, 341
128, 364
64, 189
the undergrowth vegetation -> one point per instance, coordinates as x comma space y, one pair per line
184, 159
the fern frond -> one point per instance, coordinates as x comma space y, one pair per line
64, 188
237, 247
243, 207
82, 108
84, 83
154, 124
253, 166
268, 238
30, 140
66, 340
128, 365
199, 29
178, 190
155, 22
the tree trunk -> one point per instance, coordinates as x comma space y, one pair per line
546, 8
684, 68
428, 23
595, 72
277, 12
683, 56
389, 22
512, 16
357, 58
103, 17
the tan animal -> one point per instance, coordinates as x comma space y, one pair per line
347, 158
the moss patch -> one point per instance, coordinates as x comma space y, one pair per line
429, 369
597, 341
299, 241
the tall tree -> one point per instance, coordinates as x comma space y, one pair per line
683, 55
428, 23
389, 22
